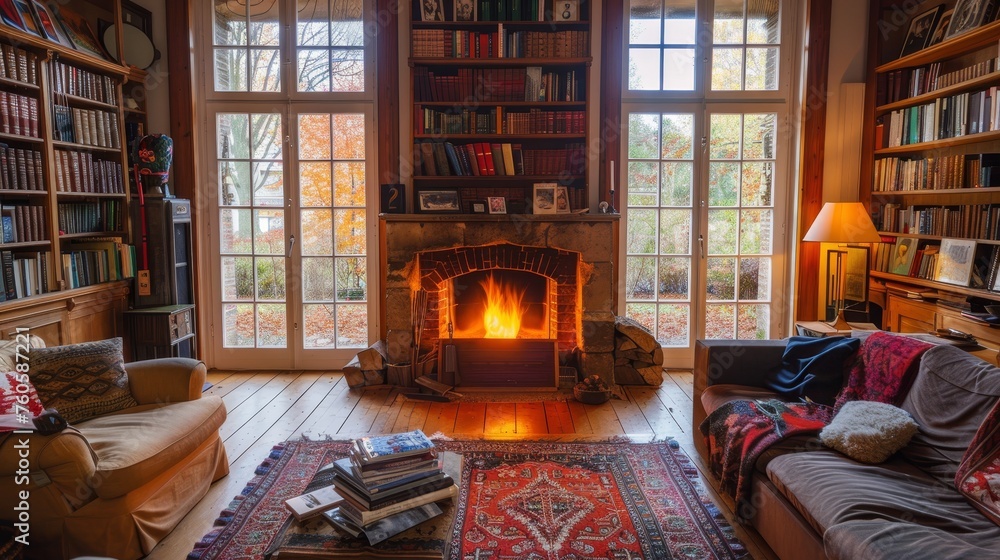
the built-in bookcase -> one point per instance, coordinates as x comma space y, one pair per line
500, 101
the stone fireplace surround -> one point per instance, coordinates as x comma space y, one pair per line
576, 252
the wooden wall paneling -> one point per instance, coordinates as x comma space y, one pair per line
610, 129
868, 123
813, 139
387, 92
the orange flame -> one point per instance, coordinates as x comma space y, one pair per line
502, 317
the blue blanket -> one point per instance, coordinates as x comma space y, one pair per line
812, 367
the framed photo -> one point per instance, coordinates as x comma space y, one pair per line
9, 14
955, 260
941, 29
920, 32
53, 32
968, 15
496, 204
31, 24
79, 31
478, 207
465, 10
856, 274
431, 10
439, 201
566, 10
544, 198
562, 200
138, 16
902, 255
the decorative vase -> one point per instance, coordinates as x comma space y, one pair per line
154, 153
591, 397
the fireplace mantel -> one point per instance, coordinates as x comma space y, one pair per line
502, 218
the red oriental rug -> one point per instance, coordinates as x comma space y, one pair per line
536, 500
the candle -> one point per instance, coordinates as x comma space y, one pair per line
612, 175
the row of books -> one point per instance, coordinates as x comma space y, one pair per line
973, 221
511, 10
24, 274
18, 64
88, 217
18, 114
946, 117
23, 223
933, 173
83, 83
497, 120
486, 159
962, 262
911, 82
21, 169
86, 126
81, 172
94, 262
503, 43
485, 85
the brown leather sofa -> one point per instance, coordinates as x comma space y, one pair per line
809, 502
115, 485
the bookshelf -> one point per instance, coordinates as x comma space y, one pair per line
500, 102
63, 188
931, 175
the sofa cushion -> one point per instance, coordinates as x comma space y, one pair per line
869, 432
828, 489
136, 445
18, 395
717, 395
82, 381
951, 395
889, 540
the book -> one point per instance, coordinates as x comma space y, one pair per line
313, 503
386, 527
393, 446
365, 518
355, 495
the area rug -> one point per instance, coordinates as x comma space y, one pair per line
537, 500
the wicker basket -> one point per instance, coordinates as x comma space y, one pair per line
591, 397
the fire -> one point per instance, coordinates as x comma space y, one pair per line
502, 317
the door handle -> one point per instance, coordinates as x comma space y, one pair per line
291, 243
701, 245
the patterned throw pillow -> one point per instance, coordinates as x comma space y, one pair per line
82, 380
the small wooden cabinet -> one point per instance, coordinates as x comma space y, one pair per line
908, 315
162, 332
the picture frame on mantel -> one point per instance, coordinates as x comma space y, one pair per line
439, 202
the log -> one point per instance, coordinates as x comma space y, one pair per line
638, 357
374, 376
373, 358
439, 388
399, 375
352, 372
636, 332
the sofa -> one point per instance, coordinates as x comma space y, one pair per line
115, 485
809, 502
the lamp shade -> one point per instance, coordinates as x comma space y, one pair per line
843, 222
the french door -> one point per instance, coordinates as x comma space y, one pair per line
292, 219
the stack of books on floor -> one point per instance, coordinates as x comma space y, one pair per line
389, 484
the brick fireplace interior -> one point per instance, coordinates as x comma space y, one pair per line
556, 269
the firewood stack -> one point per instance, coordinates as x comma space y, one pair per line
638, 356
368, 367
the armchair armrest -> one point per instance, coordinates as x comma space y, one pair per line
166, 380
59, 476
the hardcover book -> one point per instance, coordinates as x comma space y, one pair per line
392, 446
313, 503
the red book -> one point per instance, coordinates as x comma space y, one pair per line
488, 157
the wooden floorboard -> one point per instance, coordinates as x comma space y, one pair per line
266, 408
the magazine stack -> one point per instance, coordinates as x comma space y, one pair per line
388, 484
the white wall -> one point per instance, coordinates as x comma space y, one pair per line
157, 83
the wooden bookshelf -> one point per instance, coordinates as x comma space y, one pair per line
942, 167
62, 79
488, 75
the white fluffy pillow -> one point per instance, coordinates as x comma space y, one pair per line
869, 432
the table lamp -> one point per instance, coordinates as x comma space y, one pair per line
842, 222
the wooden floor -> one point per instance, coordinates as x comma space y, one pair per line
265, 408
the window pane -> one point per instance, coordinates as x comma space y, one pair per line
673, 325
234, 182
350, 232
720, 321
678, 137
268, 184
270, 278
722, 231
678, 69
727, 69
674, 279
314, 182
643, 179
754, 322
348, 136
644, 22
320, 326
762, 69
721, 279
237, 278
236, 231
317, 232
264, 25
675, 232
724, 137
266, 136
265, 70
352, 326
230, 24
238, 325
349, 183
643, 69
314, 70
679, 25
676, 184
723, 183
233, 134
759, 135
352, 275
272, 331
313, 23
314, 137
727, 27
269, 237
347, 70
347, 27
642, 232
758, 183
755, 278
642, 313
763, 23
317, 279
756, 231
640, 278
643, 135
230, 70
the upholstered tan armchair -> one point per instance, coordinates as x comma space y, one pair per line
115, 485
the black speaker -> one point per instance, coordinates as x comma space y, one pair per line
168, 251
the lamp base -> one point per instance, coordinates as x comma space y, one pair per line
840, 323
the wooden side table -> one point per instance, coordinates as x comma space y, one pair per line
162, 332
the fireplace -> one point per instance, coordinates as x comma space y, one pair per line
558, 269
